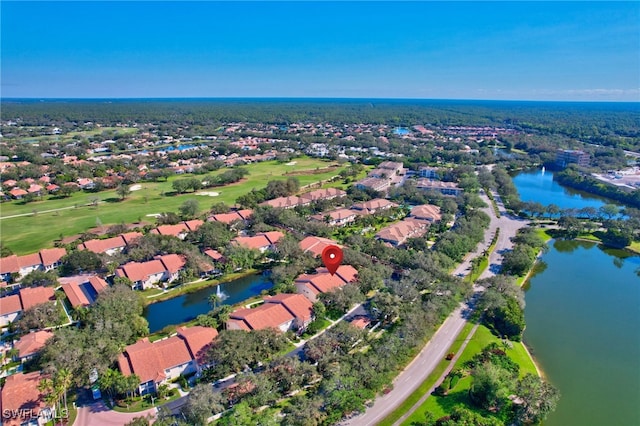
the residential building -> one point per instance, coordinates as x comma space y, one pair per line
445, 188
143, 275
32, 296
373, 206
315, 245
338, 217
32, 343
398, 233
429, 173
232, 216
21, 401
565, 157
10, 309
312, 285
44, 260
427, 212
262, 241
374, 183
109, 246
82, 290
164, 360
267, 315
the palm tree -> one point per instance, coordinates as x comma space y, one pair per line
214, 299
63, 378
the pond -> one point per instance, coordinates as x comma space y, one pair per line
186, 307
582, 312
539, 186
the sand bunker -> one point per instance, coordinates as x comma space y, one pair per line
291, 163
135, 187
209, 194
154, 215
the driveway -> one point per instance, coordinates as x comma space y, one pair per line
98, 414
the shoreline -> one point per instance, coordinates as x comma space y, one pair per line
187, 288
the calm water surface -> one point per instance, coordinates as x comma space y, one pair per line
539, 186
188, 306
583, 326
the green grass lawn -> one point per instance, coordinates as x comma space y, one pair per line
28, 234
440, 406
429, 381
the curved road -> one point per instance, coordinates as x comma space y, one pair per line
435, 350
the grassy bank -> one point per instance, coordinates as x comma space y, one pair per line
440, 406
428, 382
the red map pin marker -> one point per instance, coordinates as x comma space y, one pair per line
332, 258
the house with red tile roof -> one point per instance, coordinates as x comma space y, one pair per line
312, 285
286, 202
338, 217
426, 212
130, 236
262, 241
173, 264
18, 193
298, 305
32, 296
232, 216
398, 233
267, 315
193, 225
30, 344
22, 402
376, 184
108, 246
373, 206
82, 290
10, 309
143, 275
323, 194
45, 259
315, 245
164, 360
179, 230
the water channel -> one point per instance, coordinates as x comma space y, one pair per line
583, 305
188, 306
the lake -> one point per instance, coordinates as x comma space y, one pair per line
188, 306
539, 186
582, 314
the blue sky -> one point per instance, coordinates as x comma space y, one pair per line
450, 50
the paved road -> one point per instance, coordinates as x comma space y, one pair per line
420, 368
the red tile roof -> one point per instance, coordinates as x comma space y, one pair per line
10, 304
30, 260
101, 246
213, 254
98, 284
173, 230
268, 315
315, 245
172, 262
225, 217
193, 225
75, 295
198, 340
149, 360
9, 264
20, 392
130, 236
31, 343
33, 296
299, 306
140, 271
427, 211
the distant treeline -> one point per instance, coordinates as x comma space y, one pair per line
614, 124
